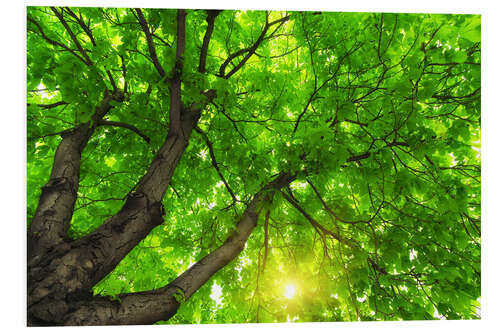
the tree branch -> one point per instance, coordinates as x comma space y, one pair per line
175, 84
211, 15
266, 239
50, 106
311, 220
72, 35
53, 42
214, 162
149, 40
55, 208
125, 125
82, 24
249, 51
162, 304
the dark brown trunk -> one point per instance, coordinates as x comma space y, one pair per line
161, 304
55, 208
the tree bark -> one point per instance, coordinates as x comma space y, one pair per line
55, 208
61, 271
148, 307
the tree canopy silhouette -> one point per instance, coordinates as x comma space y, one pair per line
208, 166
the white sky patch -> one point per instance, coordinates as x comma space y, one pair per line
413, 254
298, 185
216, 294
330, 59
438, 315
361, 299
44, 92
238, 269
291, 320
219, 184
244, 261
478, 149
453, 161
211, 205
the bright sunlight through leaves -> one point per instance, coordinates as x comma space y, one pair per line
289, 291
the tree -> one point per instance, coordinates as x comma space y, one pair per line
306, 166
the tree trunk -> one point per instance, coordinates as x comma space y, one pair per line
62, 272
63, 296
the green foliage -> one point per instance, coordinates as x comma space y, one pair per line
379, 112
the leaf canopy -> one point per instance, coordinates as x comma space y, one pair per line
377, 114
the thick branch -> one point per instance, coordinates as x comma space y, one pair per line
72, 35
149, 39
161, 304
51, 220
211, 15
125, 125
175, 84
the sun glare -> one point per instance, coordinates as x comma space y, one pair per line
289, 291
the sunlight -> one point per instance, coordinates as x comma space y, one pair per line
289, 291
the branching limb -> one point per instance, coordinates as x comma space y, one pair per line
214, 162
211, 15
125, 125
81, 23
162, 304
249, 51
149, 40
311, 220
53, 42
318, 88
61, 18
55, 208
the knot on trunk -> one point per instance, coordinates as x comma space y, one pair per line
135, 201
57, 184
157, 212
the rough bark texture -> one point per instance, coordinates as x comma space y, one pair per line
55, 209
59, 285
68, 271
161, 304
